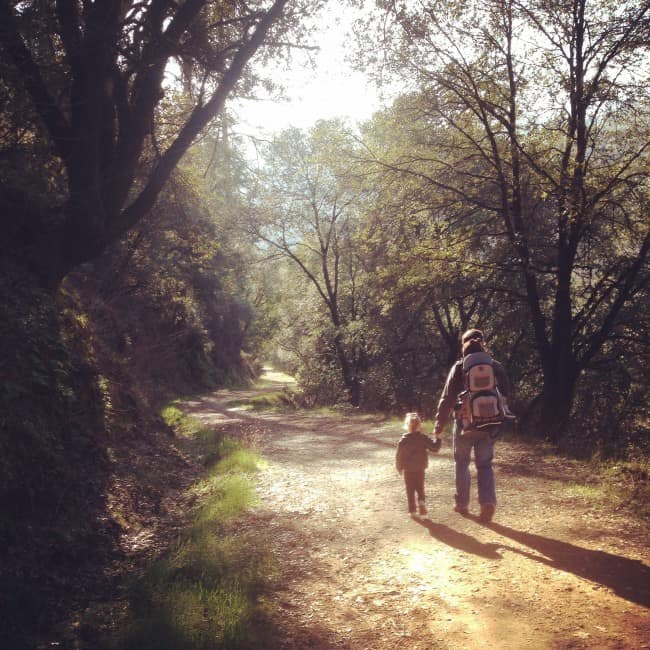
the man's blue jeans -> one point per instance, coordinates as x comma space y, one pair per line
483, 453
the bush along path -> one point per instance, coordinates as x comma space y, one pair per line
559, 567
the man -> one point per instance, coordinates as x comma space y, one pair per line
481, 441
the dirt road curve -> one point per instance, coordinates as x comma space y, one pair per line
554, 570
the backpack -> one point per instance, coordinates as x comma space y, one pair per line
481, 403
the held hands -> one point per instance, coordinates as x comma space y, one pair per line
437, 443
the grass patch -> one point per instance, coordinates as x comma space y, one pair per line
203, 443
204, 593
617, 484
183, 425
628, 482
588, 492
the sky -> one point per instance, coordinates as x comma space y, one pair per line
331, 89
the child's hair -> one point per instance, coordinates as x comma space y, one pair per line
412, 422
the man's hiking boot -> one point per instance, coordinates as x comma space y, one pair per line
487, 512
461, 510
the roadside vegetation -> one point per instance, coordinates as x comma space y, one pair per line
627, 484
204, 592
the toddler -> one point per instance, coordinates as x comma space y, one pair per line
411, 460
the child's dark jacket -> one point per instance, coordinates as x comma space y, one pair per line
412, 452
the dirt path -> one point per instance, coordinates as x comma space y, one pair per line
554, 570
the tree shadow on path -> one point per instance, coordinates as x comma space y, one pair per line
461, 541
627, 578
334, 433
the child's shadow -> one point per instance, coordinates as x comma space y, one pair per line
461, 541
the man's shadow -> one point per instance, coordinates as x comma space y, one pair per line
629, 579
461, 541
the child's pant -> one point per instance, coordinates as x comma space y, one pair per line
414, 481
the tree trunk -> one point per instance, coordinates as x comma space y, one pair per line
350, 380
560, 381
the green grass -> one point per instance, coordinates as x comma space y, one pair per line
183, 425
592, 493
628, 483
204, 593
617, 485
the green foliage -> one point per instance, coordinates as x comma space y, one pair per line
630, 481
53, 467
622, 485
182, 425
181, 321
305, 211
203, 593
489, 196
113, 152
612, 416
84, 370
442, 243
49, 399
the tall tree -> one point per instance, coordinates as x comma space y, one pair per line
426, 239
306, 211
549, 105
94, 75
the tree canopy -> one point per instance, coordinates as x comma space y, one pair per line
93, 84
535, 138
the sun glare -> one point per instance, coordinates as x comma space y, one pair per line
331, 89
